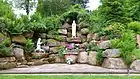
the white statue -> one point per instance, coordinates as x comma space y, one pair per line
39, 46
73, 29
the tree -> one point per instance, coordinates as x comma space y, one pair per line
132, 8
6, 10
113, 11
27, 5
81, 2
6, 15
53, 7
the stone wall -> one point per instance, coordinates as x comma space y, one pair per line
53, 43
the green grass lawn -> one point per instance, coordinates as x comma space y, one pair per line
66, 77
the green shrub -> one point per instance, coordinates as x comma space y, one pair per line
6, 10
99, 56
44, 24
38, 27
38, 23
52, 23
62, 51
29, 46
76, 13
97, 23
136, 54
15, 27
114, 30
36, 57
135, 26
126, 44
4, 50
83, 17
26, 23
91, 47
114, 43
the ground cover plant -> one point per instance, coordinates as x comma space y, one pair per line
66, 77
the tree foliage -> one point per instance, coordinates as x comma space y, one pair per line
26, 5
6, 10
57, 7
53, 7
81, 2
132, 8
113, 11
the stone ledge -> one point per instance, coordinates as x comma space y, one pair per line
66, 69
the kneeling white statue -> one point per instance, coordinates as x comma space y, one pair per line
38, 49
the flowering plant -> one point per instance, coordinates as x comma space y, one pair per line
64, 50
73, 46
70, 46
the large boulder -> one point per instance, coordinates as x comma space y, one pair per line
19, 54
54, 49
24, 62
51, 36
28, 34
39, 55
8, 59
69, 34
19, 39
62, 38
30, 63
82, 37
38, 62
57, 37
135, 65
62, 31
74, 40
111, 53
114, 63
103, 38
7, 65
83, 25
83, 45
22, 66
84, 31
46, 48
51, 58
91, 37
42, 35
104, 44
52, 42
35, 62
74, 57
92, 58
83, 57
59, 59
66, 26
64, 44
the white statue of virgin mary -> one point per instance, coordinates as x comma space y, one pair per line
73, 29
